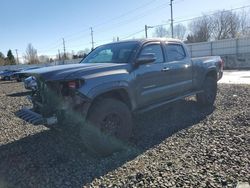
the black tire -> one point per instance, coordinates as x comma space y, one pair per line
208, 96
7, 78
108, 127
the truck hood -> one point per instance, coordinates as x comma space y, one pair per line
72, 71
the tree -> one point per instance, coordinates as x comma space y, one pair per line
161, 32
82, 53
31, 55
179, 31
10, 60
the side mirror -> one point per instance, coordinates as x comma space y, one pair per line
146, 58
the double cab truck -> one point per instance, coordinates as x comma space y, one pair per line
116, 81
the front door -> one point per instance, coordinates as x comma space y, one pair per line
151, 79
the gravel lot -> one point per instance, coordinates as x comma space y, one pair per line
184, 146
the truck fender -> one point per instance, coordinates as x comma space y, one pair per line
111, 86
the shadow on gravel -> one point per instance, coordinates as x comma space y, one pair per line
19, 94
52, 159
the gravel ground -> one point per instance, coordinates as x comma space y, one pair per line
181, 146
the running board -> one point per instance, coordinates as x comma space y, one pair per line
151, 107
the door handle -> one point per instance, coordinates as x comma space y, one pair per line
165, 69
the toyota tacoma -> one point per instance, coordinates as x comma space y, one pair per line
116, 81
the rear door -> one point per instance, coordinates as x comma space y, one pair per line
179, 67
151, 79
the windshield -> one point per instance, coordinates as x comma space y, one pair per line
112, 53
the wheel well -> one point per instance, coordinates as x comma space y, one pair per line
118, 94
212, 74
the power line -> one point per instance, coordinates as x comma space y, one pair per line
126, 13
178, 1
51, 45
128, 36
124, 22
109, 21
197, 17
180, 21
135, 18
141, 16
189, 19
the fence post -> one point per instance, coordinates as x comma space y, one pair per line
211, 48
237, 47
191, 53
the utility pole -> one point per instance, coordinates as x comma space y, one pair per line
172, 20
146, 30
59, 55
17, 60
64, 50
92, 37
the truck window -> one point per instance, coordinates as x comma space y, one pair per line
175, 52
112, 53
104, 55
155, 49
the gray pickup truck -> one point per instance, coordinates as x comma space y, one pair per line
118, 80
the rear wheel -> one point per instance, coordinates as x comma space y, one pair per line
108, 127
208, 96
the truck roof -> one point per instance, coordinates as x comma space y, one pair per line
150, 40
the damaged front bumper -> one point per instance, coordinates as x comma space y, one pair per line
70, 111
54, 103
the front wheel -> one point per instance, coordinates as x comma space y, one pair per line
7, 78
208, 96
108, 127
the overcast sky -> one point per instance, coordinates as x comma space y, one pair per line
45, 22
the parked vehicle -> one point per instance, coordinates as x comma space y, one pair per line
117, 80
19, 76
7, 75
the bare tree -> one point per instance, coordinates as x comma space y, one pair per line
161, 32
44, 59
31, 55
179, 31
84, 52
200, 29
244, 23
220, 25
225, 25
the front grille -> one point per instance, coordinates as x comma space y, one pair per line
46, 99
